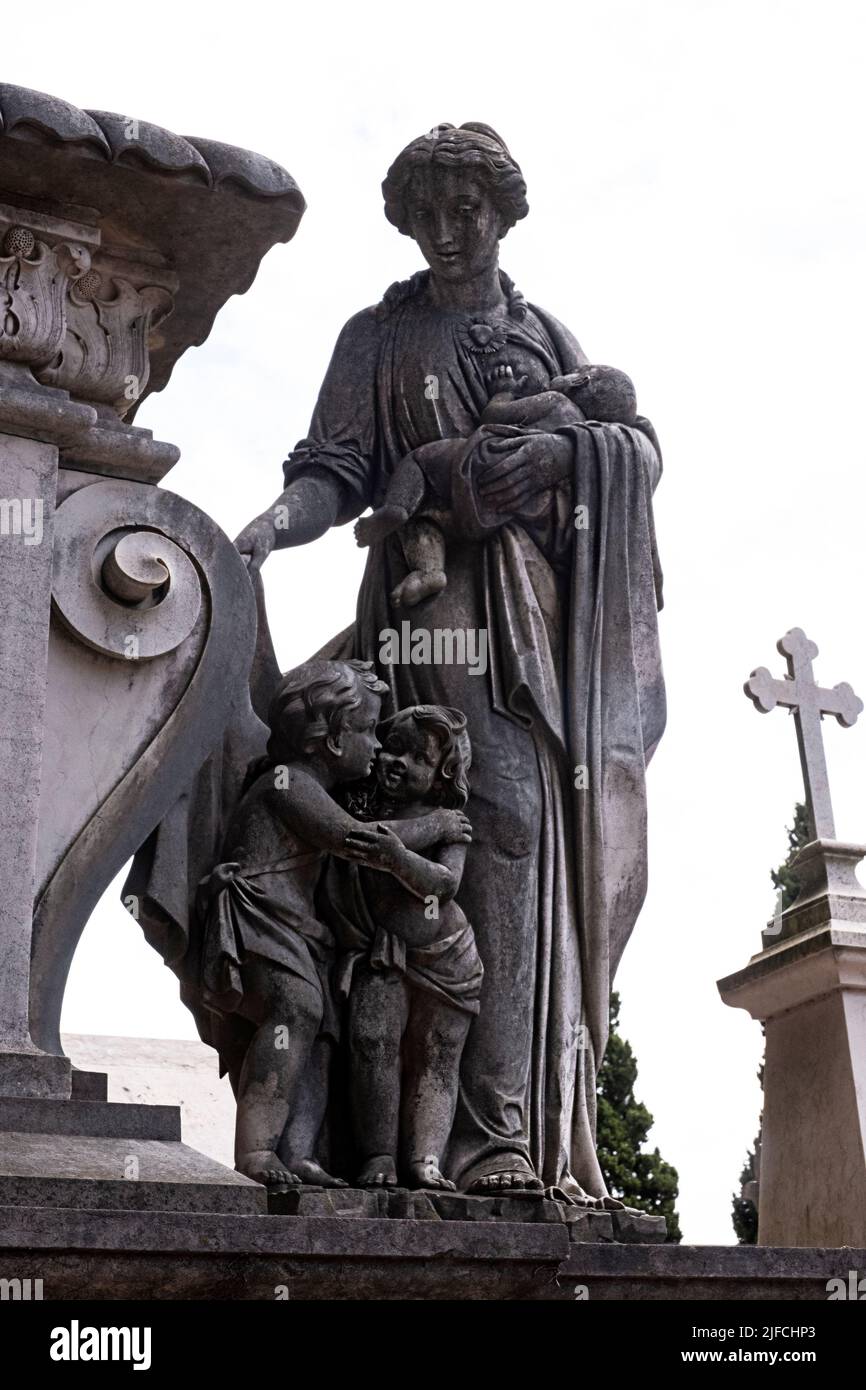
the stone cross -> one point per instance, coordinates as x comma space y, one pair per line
799, 692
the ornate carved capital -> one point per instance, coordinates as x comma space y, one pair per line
104, 357
34, 281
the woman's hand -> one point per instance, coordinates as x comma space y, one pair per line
524, 467
256, 541
376, 848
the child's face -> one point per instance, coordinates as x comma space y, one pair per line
357, 742
409, 760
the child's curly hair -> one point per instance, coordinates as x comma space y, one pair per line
449, 727
312, 701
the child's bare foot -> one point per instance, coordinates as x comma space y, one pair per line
380, 524
502, 381
262, 1165
418, 585
310, 1172
378, 1171
424, 1172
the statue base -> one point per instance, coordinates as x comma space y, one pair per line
191, 1256
405, 1204
102, 1201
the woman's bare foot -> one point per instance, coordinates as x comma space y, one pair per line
383, 521
418, 585
262, 1165
378, 1171
424, 1172
312, 1173
510, 1173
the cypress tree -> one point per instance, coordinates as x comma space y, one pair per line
639, 1179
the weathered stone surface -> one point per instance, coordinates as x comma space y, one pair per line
89, 1085
589, 1225
528, 1208
207, 210
148, 692
637, 1228
810, 993
90, 1117
86, 1171
134, 1254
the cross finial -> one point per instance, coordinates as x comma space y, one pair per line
799, 692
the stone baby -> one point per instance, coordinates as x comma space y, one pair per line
266, 953
422, 480
412, 972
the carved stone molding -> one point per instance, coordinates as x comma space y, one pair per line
202, 211
143, 727
104, 356
121, 585
34, 281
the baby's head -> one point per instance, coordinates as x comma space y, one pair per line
328, 711
603, 393
425, 756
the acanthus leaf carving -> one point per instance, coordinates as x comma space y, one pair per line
104, 356
34, 279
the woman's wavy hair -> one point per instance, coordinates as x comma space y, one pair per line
449, 727
311, 703
471, 146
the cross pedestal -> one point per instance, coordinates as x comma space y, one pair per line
808, 987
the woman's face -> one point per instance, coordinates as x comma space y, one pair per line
454, 221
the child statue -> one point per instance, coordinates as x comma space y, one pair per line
412, 970
267, 953
421, 483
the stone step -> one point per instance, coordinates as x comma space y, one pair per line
98, 1118
89, 1085
64, 1170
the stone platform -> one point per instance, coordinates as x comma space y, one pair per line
102, 1201
400, 1203
111, 1255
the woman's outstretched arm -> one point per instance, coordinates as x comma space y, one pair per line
329, 475
307, 508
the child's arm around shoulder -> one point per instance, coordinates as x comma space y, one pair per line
307, 809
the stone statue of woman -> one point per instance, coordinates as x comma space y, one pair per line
550, 552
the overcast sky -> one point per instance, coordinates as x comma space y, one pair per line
695, 177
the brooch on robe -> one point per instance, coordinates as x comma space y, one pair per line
480, 336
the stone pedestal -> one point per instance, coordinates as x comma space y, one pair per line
126, 616
28, 467
193, 1256
808, 987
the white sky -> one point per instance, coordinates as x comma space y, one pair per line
695, 175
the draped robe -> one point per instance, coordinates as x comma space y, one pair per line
563, 722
